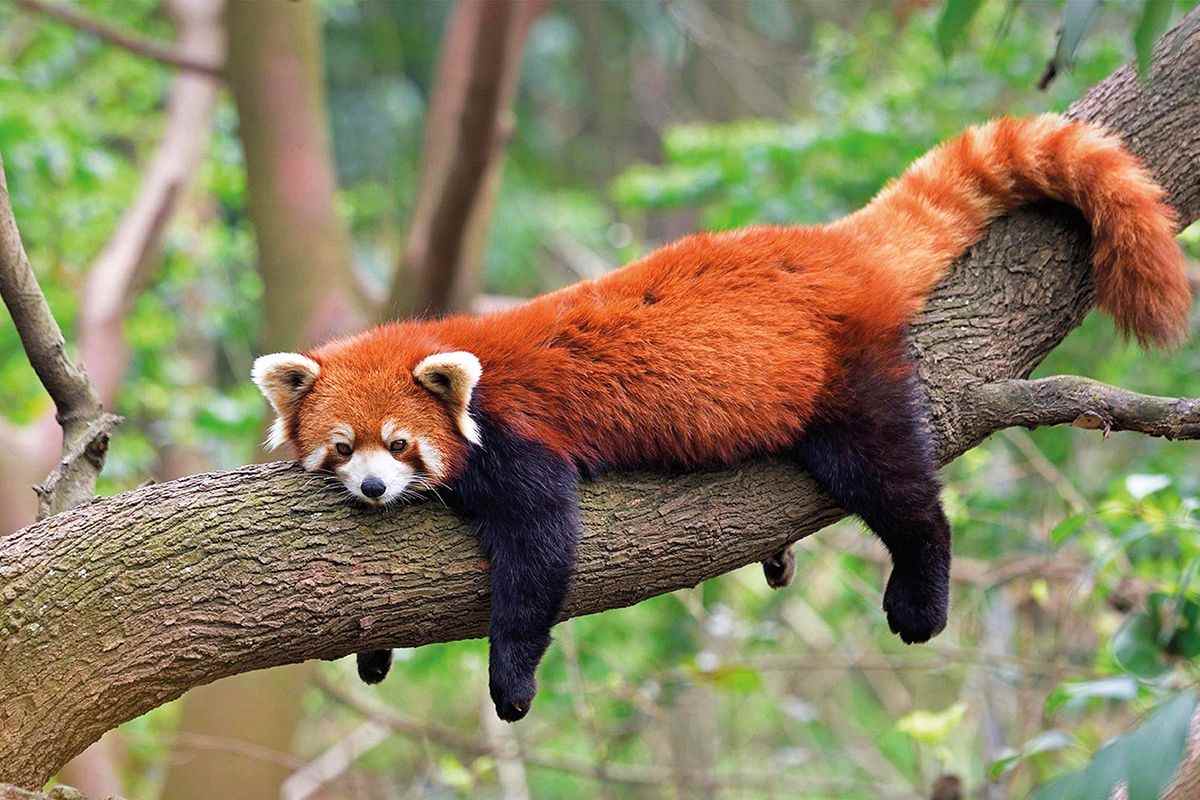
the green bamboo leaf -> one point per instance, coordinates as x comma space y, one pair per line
1156, 14
956, 16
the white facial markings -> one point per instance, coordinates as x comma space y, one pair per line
313, 461
435, 464
390, 431
342, 434
375, 462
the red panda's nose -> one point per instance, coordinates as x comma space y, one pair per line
373, 487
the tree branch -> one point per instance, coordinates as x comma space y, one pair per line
118, 606
86, 425
1085, 403
148, 48
466, 131
116, 274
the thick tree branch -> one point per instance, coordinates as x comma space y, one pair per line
116, 607
147, 48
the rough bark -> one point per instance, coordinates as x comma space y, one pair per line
85, 424
116, 607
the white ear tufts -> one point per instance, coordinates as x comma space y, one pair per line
277, 436
453, 377
283, 378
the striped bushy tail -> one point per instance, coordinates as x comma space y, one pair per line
942, 204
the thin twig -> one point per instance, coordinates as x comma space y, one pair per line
148, 48
616, 773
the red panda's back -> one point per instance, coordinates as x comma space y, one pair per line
707, 350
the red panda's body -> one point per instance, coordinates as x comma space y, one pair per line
722, 346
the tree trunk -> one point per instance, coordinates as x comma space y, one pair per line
303, 247
121, 605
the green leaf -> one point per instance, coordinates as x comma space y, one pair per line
1156, 14
952, 24
1154, 749
1044, 742
737, 678
1068, 528
1076, 21
1078, 693
1144, 759
1135, 647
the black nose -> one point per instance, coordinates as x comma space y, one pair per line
373, 487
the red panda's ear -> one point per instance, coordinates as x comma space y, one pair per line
284, 378
453, 377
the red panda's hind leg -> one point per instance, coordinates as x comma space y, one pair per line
373, 665
873, 456
780, 568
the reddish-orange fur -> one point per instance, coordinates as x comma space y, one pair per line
723, 345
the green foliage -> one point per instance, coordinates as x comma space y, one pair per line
1144, 759
956, 16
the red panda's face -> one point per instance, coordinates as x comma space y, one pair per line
384, 429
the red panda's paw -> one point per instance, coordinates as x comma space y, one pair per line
780, 568
512, 695
917, 602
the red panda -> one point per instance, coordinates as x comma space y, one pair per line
715, 348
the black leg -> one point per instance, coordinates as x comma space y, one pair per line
780, 568
525, 502
875, 459
373, 665
531, 564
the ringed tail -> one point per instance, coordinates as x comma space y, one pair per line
945, 201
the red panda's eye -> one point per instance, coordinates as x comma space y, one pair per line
398, 446
344, 449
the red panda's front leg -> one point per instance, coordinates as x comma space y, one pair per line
524, 501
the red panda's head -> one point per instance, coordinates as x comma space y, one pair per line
383, 426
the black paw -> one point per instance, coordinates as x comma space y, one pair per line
917, 603
373, 665
780, 568
512, 697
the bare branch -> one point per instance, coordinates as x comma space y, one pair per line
86, 426
466, 131
148, 48
120, 269
1085, 403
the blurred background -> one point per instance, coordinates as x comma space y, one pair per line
282, 172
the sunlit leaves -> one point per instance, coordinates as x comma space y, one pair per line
932, 727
